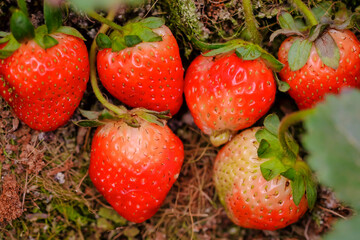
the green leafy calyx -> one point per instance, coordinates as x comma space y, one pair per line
96, 119
329, 16
281, 163
132, 34
246, 51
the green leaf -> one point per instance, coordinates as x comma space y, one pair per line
4, 34
299, 53
289, 174
44, 40
272, 168
42, 30
203, 46
152, 22
300, 24
322, 10
89, 123
317, 31
224, 49
4, 39
286, 32
70, 31
106, 115
286, 21
272, 123
311, 192
328, 51
22, 6
263, 147
272, 62
103, 41
91, 115
333, 143
132, 40
11, 46
298, 188
147, 35
49, 41
274, 149
248, 52
21, 27
345, 229
292, 144
282, 86
52, 16
117, 45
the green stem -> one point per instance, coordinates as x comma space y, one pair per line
286, 122
106, 20
250, 22
305, 11
118, 110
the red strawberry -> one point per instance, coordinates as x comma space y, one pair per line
44, 87
134, 168
251, 201
310, 83
226, 93
149, 74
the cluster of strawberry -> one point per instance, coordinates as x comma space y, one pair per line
135, 157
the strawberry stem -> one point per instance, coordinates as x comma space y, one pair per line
106, 20
250, 22
306, 12
93, 79
285, 123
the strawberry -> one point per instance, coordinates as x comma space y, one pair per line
134, 168
310, 84
320, 58
261, 183
142, 66
227, 91
44, 87
43, 74
251, 201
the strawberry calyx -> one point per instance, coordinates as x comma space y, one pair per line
131, 34
277, 145
325, 16
246, 51
22, 29
133, 117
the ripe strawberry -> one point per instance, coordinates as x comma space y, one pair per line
148, 74
134, 168
226, 93
310, 83
251, 201
44, 87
